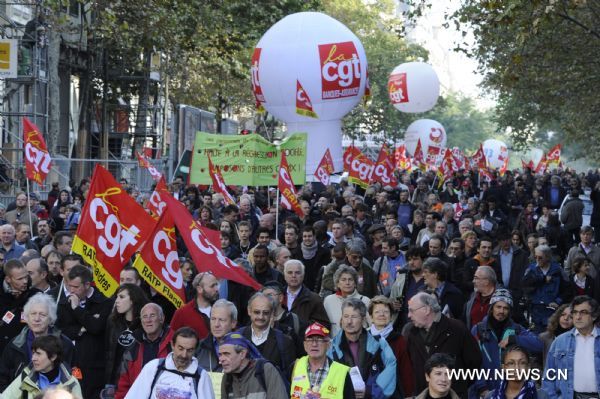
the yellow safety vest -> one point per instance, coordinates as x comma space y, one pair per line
332, 386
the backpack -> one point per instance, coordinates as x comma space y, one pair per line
259, 373
161, 367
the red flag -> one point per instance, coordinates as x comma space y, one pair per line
218, 183
207, 257
504, 166
458, 211
111, 229
418, 156
542, 165
383, 172
524, 165
144, 163
447, 167
286, 187
303, 103
530, 164
485, 173
459, 158
553, 157
359, 166
325, 168
158, 262
37, 158
433, 155
402, 160
479, 159
155, 204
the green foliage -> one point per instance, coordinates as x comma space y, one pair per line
539, 57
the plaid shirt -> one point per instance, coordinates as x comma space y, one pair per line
316, 379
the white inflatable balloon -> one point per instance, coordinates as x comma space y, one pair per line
496, 152
309, 70
429, 131
413, 87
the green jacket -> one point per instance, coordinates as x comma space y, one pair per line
26, 384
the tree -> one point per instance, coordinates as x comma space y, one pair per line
377, 27
536, 55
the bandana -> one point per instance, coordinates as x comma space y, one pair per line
237, 339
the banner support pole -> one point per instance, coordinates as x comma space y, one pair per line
277, 216
29, 207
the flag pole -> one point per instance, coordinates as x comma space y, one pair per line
29, 207
277, 216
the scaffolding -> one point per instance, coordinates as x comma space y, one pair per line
27, 94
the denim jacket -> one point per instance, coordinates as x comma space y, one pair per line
560, 357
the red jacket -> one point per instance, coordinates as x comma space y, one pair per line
189, 316
135, 364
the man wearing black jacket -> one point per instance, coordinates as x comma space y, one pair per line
313, 257
82, 317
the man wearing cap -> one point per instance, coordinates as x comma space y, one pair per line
317, 375
495, 333
247, 374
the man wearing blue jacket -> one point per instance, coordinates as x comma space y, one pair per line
578, 353
494, 334
370, 359
542, 282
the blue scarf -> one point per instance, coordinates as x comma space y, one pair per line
527, 392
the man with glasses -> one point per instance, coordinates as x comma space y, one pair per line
315, 374
372, 361
477, 307
542, 283
576, 351
431, 332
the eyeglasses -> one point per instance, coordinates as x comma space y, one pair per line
512, 363
312, 340
580, 312
414, 310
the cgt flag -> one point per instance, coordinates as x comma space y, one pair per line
325, 168
218, 183
37, 158
383, 172
286, 188
553, 156
207, 257
111, 229
144, 163
155, 204
158, 262
303, 103
478, 159
418, 157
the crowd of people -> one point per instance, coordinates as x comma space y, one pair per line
371, 293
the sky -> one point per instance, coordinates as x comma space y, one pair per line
456, 71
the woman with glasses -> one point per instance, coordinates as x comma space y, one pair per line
516, 385
381, 312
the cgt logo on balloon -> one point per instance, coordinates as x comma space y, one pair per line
397, 88
340, 70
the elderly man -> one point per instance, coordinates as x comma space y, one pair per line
272, 343
178, 375
587, 249
9, 248
299, 299
196, 312
315, 373
431, 332
152, 341
542, 283
223, 319
247, 375
577, 351
21, 213
478, 304
372, 361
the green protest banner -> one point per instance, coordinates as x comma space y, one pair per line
247, 160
